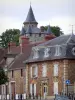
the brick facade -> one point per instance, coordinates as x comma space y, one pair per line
17, 80
50, 78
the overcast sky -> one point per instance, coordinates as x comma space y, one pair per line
54, 12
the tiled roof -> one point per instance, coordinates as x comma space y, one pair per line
2, 55
18, 61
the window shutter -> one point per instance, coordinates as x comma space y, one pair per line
36, 71
31, 72
55, 87
34, 89
31, 89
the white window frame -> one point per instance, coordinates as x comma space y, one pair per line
46, 52
56, 67
35, 71
44, 70
35, 55
57, 50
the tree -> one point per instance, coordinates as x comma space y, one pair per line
3, 77
55, 29
11, 35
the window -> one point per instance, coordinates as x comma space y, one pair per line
30, 34
35, 71
21, 72
39, 34
46, 52
35, 54
55, 69
12, 73
44, 70
57, 52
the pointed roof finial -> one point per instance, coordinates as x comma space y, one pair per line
30, 3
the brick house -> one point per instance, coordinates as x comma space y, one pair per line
50, 65
30, 36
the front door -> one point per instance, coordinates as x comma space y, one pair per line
45, 90
13, 90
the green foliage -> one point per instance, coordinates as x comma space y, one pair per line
11, 35
55, 30
3, 77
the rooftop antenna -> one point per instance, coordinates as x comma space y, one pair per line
72, 29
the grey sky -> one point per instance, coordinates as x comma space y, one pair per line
53, 12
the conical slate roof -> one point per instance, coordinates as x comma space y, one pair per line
23, 32
30, 16
49, 30
29, 29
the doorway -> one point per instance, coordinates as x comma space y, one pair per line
13, 90
45, 90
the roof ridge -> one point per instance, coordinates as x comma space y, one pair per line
69, 38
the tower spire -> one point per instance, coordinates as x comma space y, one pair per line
30, 3
30, 16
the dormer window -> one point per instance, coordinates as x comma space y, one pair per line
46, 52
57, 50
35, 56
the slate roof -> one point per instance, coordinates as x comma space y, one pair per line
29, 29
65, 43
57, 41
30, 16
23, 31
49, 30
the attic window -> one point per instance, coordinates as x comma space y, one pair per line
35, 56
57, 50
46, 52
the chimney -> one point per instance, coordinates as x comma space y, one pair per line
23, 40
10, 46
49, 37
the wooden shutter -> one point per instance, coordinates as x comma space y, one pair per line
34, 89
55, 87
31, 72
31, 89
